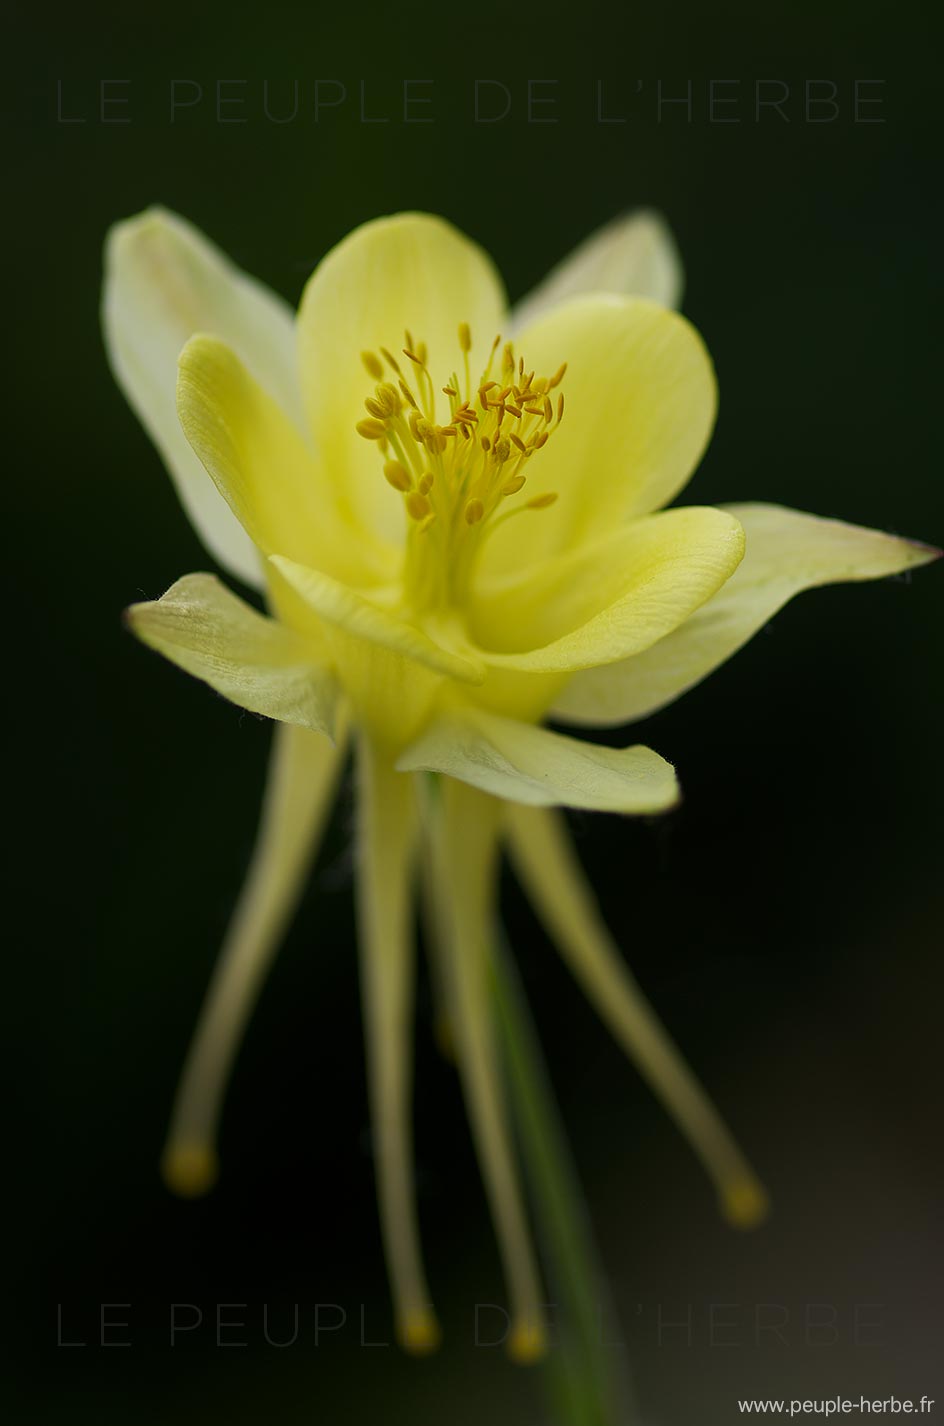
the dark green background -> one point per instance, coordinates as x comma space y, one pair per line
786, 921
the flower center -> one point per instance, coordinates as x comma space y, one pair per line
455, 479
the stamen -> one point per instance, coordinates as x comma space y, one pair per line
371, 428
397, 475
499, 423
373, 364
417, 505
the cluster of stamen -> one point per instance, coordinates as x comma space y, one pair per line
454, 477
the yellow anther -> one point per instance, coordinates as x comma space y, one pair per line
417, 505
371, 429
457, 483
408, 394
398, 476
373, 364
560, 408
558, 376
389, 398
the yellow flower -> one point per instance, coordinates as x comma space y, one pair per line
449, 509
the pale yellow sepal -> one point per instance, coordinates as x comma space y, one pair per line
787, 551
634, 255
535, 766
164, 281
254, 661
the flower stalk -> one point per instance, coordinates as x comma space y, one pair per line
587, 1380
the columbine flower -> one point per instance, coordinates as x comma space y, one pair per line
449, 509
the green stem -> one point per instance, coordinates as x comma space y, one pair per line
586, 1377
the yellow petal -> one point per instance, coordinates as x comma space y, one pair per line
640, 403
387, 842
469, 834
302, 779
532, 765
261, 464
787, 551
611, 597
164, 281
634, 256
255, 662
344, 608
551, 875
410, 272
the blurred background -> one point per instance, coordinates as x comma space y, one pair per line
786, 921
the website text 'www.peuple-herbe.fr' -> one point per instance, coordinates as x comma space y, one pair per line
839, 1406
